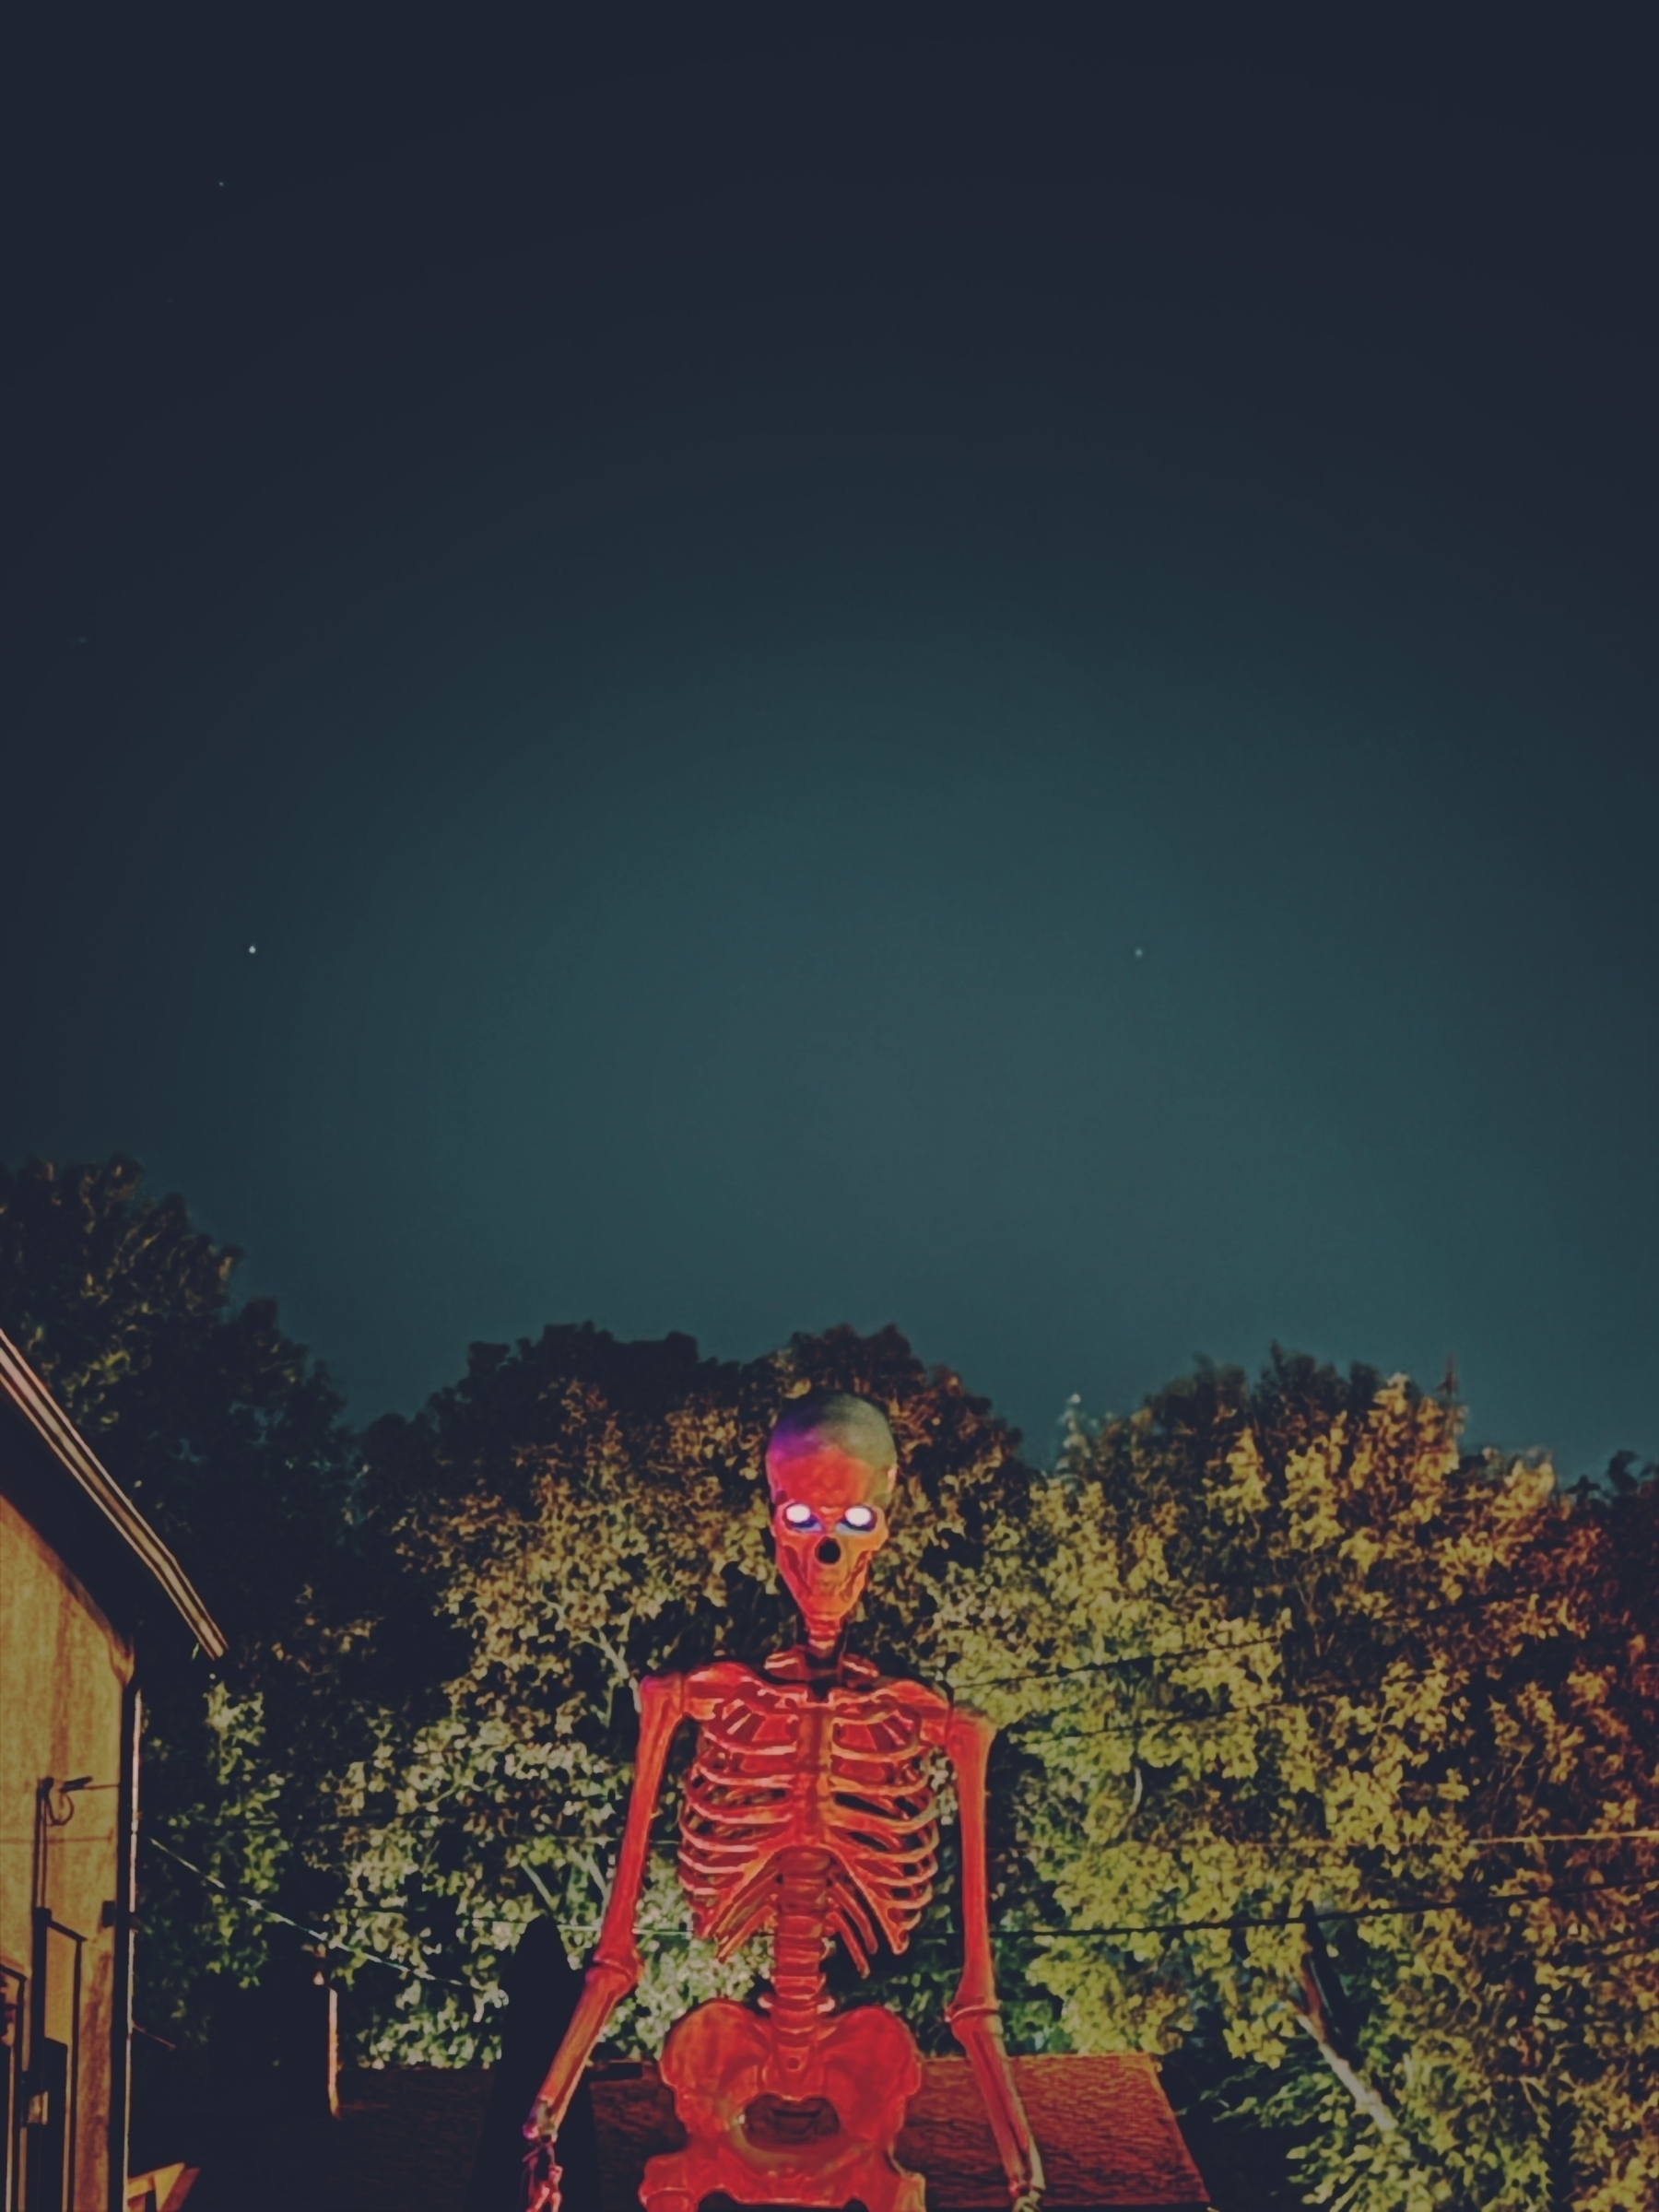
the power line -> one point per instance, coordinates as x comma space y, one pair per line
1474, 1601
1178, 1720
658, 1932
1197, 1720
1588, 1835
1099, 1666
1420, 1843
1379, 1912
670, 1846
334, 1943
1460, 1905
254, 1905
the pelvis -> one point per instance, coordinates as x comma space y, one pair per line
827, 2142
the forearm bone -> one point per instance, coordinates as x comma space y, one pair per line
616, 1965
974, 2014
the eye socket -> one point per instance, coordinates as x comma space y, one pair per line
859, 1518
800, 1516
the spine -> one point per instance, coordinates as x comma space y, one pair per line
800, 1939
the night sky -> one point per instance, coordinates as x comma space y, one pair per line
743, 677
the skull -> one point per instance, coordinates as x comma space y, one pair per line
831, 1467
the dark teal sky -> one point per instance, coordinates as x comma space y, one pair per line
888, 708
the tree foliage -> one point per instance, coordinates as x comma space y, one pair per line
577, 1513
1312, 1658
229, 1438
1328, 1746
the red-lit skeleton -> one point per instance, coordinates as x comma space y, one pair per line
808, 1814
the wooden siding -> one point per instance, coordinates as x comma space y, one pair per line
65, 1669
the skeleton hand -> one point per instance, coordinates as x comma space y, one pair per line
542, 2177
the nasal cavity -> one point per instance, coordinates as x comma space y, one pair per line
829, 1551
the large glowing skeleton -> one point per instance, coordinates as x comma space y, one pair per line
808, 1813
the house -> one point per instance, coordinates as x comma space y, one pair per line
77, 1562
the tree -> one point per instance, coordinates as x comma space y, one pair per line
1327, 1747
1324, 1691
575, 1513
229, 1438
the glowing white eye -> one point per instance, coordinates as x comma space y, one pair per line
859, 1517
799, 1516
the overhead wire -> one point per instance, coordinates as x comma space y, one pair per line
1464, 1905
1139, 1725
330, 1943
1475, 1601
1460, 1905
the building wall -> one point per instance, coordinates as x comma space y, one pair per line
63, 1669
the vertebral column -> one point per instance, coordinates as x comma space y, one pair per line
799, 1941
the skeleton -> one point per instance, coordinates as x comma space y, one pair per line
808, 1813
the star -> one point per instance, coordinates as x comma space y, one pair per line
253, 948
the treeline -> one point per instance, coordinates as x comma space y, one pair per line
1328, 1752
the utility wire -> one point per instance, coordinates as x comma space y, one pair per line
1459, 1905
1474, 1601
669, 1845
254, 1905
1100, 1666
1588, 1835
658, 1932
1155, 1719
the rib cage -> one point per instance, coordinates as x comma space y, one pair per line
780, 1770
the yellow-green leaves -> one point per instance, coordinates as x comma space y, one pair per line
1344, 1660
579, 1513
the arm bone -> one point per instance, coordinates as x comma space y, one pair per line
617, 1965
974, 2014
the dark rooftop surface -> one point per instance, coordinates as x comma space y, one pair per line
405, 2138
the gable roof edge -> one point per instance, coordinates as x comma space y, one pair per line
70, 1449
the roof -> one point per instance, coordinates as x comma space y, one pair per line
407, 2137
96, 1487
1108, 2135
